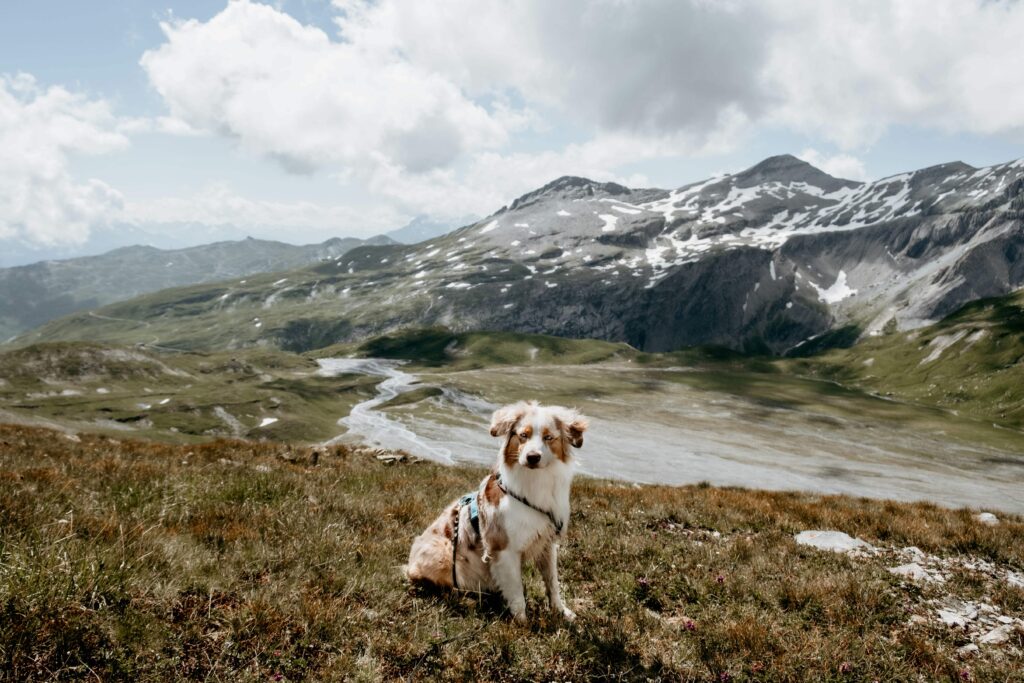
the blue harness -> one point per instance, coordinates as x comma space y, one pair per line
474, 519
470, 499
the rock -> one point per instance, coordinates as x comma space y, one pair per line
1015, 579
916, 572
987, 518
262, 468
997, 636
835, 541
1003, 619
952, 618
969, 649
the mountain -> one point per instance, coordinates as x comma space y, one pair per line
779, 258
424, 228
34, 294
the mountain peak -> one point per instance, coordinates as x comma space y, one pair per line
786, 168
570, 187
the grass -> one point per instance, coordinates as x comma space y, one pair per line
454, 351
175, 396
234, 560
980, 373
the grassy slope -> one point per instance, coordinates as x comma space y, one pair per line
138, 561
175, 396
439, 347
980, 373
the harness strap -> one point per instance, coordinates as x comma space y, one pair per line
555, 522
455, 546
474, 519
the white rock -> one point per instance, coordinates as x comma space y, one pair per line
998, 635
1003, 619
916, 572
835, 541
952, 618
914, 551
968, 649
1015, 579
987, 518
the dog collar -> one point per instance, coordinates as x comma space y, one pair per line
555, 522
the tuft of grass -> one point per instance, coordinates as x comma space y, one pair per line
236, 560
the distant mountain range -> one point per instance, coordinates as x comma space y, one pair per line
34, 294
780, 258
424, 228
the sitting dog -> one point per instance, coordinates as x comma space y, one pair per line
520, 512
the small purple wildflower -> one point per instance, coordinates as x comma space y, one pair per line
720, 579
845, 668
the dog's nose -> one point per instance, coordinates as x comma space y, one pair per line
532, 458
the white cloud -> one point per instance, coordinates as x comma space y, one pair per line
656, 67
219, 205
287, 90
40, 202
837, 165
850, 71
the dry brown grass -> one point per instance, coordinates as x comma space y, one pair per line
141, 561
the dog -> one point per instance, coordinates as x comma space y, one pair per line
520, 512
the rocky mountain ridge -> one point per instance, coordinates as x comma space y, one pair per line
776, 258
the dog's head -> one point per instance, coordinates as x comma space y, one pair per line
536, 435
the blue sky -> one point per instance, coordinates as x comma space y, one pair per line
305, 119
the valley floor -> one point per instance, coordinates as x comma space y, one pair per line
235, 560
685, 425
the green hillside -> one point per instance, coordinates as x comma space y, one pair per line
971, 362
35, 294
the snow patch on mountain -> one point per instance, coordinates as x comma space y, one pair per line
838, 291
609, 222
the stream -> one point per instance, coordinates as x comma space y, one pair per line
663, 431
364, 423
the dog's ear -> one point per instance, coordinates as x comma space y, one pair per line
504, 419
573, 424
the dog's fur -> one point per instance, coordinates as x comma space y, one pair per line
510, 531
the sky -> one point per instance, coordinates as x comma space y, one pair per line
178, 123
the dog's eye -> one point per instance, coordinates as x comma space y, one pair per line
524, 435
548, 437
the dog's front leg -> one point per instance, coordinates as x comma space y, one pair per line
547, 563
507, 570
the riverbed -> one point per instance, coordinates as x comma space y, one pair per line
667, 426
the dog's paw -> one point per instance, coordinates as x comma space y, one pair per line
568, 614
519, 618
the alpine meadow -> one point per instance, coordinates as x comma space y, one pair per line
375, 340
